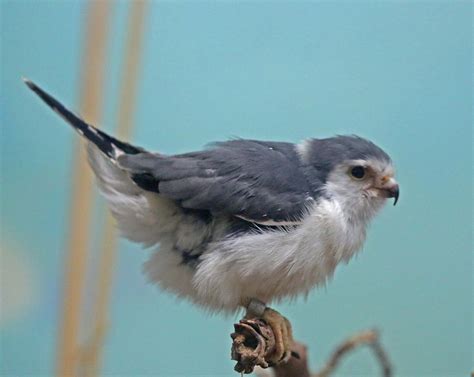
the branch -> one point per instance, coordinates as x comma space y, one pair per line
253, 341
369, 338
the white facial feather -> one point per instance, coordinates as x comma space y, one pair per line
357, 197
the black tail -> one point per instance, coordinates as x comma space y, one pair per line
107, 144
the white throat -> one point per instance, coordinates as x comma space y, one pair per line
357, 209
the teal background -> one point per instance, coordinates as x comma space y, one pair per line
396, 72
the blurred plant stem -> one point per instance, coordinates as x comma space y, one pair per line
91, 95
130, 74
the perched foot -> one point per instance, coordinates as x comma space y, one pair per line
262, 338
281, 329
283, 336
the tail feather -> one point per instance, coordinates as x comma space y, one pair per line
141, 216
107, 144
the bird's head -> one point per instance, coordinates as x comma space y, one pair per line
352, 170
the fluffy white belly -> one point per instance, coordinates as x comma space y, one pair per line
277, 264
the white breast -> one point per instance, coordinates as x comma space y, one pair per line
280, 263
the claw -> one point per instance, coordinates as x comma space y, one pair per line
283, 336
262, 338
296, 355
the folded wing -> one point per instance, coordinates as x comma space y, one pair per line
260, 182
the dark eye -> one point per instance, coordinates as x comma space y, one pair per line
358, 172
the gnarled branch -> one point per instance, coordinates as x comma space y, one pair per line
253, 342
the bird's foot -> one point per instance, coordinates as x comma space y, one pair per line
281, 329
283, 334
262, 338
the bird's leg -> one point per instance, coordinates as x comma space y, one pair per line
280, 326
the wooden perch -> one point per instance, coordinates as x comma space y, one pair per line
369, 338
253, 342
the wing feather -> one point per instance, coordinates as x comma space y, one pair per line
257, 181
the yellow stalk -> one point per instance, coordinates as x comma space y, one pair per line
82, 194
124, 129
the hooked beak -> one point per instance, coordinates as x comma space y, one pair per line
391, 190
388, 188
394, 192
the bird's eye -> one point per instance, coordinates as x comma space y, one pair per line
358, 172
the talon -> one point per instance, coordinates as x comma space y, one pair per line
296, 355
283, 336
262, 338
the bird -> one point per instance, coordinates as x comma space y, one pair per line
242, 223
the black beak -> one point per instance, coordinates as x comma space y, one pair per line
394, 192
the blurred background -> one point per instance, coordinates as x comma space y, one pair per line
187, 73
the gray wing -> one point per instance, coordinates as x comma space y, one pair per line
258, 181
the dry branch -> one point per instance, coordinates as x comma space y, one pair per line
369, 338
253, 343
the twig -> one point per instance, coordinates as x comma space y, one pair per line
369, 338
295, 367
254, 341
